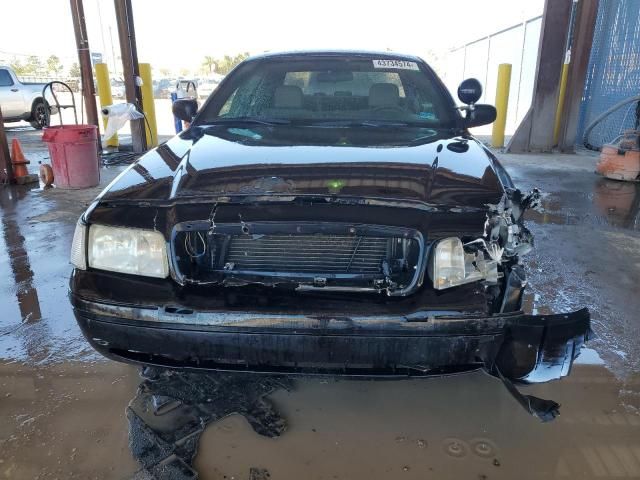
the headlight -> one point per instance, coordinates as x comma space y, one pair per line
128, 250
451, 266
79, 246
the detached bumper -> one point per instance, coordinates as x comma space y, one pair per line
524, 347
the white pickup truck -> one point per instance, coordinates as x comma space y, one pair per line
22, 101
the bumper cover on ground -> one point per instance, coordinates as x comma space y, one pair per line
528, 348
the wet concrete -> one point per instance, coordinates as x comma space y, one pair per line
587, 249
64, 408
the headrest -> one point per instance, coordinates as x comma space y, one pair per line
287, 96
383, 95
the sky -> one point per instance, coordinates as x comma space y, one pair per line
178, 34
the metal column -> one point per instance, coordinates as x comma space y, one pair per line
535, 132
586, 15
84, 57
131, 70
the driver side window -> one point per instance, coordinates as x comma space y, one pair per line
5, 78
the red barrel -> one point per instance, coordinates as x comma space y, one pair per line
74, 155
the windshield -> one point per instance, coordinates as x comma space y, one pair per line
326, 91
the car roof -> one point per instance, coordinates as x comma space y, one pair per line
302, 54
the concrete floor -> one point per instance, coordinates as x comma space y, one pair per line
63, 406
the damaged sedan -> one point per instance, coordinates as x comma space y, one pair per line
324, 212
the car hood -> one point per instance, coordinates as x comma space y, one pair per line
410, 165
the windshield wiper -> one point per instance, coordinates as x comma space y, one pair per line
359, 123
248, 120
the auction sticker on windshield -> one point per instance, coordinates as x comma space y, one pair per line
399, 64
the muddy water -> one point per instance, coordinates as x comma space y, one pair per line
67, 421
448, 428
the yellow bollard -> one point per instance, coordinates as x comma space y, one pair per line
104, 92
563, 91
148, 106
502, 103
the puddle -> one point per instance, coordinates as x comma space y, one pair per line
68, 421
612, 203
37, 323
18, 259
65, 421
457, 427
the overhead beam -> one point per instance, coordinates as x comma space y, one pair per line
131, 69
84, 59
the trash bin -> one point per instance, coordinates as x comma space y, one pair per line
74, 155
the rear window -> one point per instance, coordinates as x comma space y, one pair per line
325, 90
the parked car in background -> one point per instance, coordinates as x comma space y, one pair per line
162, 88
23, 100
206, 87
186, 88
324, 212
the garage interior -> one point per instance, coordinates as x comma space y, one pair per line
69, 413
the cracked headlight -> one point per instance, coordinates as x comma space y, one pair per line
128, 250
451, 266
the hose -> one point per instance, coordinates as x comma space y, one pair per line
605, 114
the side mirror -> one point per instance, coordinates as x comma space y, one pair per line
185, 109
469, 91
480, 115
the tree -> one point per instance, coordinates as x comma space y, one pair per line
184, 72
74, 70
18, 67
53, 65
34, 65
165, 72
227, 64
210, 63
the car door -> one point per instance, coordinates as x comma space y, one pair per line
10, 95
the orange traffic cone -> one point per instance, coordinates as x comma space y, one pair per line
18, 160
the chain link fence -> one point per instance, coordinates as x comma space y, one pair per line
613, 75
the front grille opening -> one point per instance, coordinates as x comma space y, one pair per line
307, 253
364, 259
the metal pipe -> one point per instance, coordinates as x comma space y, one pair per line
563, 91
148, 105
502, 104
104, 92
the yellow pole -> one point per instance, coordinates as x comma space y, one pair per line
148, 105
104, 92
561, 95
502, 103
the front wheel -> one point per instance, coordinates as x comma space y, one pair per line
40, 117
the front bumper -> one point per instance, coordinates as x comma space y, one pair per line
527, 348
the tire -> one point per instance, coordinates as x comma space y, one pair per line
40, 117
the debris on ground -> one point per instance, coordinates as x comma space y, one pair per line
172, 409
